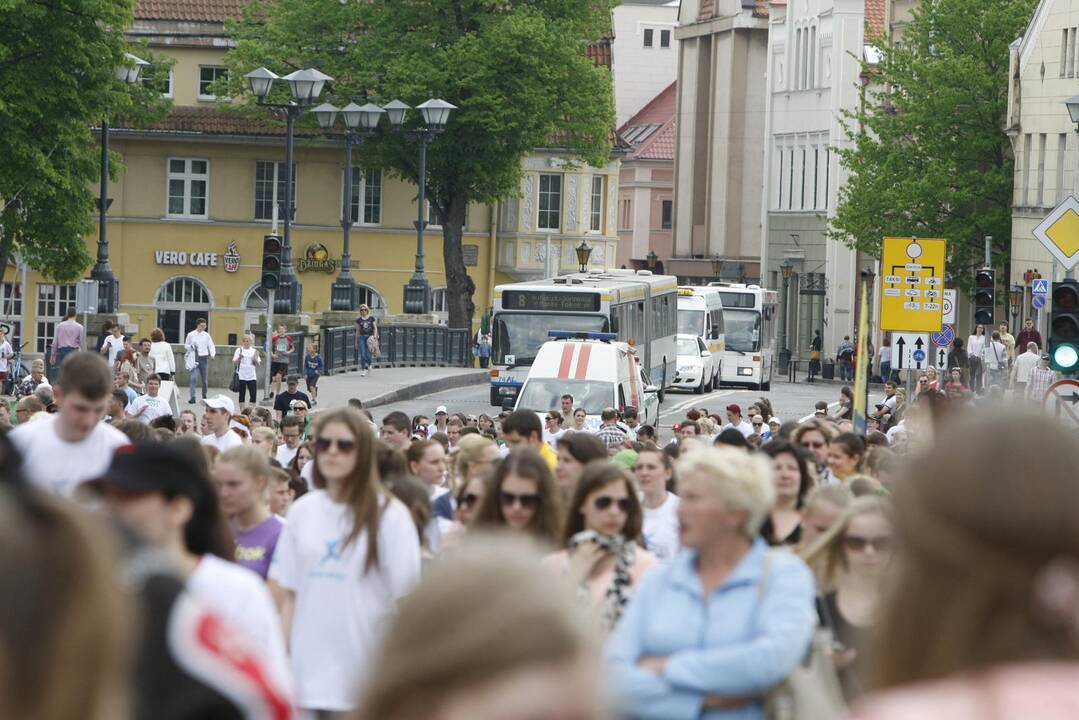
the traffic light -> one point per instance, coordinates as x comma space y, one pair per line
271, 262
1063, 343
985, 290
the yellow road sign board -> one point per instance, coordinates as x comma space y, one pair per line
912, 284
1059, 232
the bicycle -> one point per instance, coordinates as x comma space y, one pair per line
17, 371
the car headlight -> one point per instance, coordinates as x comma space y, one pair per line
685, 368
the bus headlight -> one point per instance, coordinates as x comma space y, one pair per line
745, 371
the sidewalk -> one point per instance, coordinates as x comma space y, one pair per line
381, 387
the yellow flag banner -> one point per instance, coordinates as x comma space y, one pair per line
862, 364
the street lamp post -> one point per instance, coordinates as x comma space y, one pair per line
343, 293
1016, 296
787, 268
108, 286
305, 85
717, 266
651, 258
436, 113
584, 254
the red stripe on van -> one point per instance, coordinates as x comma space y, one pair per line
582, 361
567, 358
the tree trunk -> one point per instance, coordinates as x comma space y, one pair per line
459, 285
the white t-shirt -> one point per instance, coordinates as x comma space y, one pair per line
341, 611
114, 345
1024, 363
155, 408
226, 442
975, 345
244, 602
994, 354
285, 454
743, 427
552, 438
5, 351
661, 528
247, 362
60, 466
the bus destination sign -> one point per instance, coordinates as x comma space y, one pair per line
550, 301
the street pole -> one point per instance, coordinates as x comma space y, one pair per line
269, 342
343, 294
102, 272
291, 291
418, 290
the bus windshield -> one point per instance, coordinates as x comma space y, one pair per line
743, 328
518, 336
691, 322
543, 394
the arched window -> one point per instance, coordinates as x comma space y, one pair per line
180, 303
372, 298
439, 304
255, 303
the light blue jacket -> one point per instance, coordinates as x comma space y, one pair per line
736, 642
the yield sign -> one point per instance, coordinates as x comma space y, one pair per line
1059, 232
1062, 402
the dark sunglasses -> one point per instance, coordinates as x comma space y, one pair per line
813, 445
468, 500
859, 544
605, 501
758, 424
528, 502
324, 444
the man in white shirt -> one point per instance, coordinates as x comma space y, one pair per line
5, 355
292, 432
734, 420
149, 407
219, 410
200, 343
73, 445
113, 345
995, 361
1021, 368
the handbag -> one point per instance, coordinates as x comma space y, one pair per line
373, 346
812, 690
190, 359
815, 356
234, 385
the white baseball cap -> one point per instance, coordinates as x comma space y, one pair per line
440, 409
220, 402
775, 421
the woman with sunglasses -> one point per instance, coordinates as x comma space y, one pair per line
655, 477
575, 450
521, 497
473, 460
851, 562
348, 554
604, 552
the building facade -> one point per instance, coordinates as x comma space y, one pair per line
199, 190
645, 54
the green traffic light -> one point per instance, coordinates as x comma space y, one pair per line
1065, 357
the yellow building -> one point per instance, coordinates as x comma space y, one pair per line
197, 193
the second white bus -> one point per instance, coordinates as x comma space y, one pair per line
749, 317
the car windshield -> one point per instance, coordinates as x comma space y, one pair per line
518, 336
543, 394
743, 330
688, 346
691, 322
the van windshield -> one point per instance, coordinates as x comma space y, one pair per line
518, 336
691, 322
543, 394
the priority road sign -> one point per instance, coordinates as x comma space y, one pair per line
1038, 301
945, 337
912, 285
1059, 232
1062, 402
1040, 286
910, 351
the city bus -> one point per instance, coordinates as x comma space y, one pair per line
749, 318
700, 313
639, 308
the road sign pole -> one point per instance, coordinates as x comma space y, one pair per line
269, 341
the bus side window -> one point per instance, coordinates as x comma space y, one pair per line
621, 397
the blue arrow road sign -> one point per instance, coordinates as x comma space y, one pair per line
1040, 287
1038, 302
919, 356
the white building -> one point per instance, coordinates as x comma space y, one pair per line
814, 75
645, 54
1043, 70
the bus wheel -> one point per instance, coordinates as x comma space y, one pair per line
766, 386
496, 401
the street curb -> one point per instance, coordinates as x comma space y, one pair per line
427, 387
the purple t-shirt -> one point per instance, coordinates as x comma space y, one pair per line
255, 547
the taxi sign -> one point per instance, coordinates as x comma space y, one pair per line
1059, 232
912, 284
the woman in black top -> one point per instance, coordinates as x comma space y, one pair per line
957, 358
783, 526
366, 328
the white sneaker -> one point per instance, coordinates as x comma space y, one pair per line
363, 373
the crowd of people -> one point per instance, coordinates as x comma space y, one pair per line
337, 565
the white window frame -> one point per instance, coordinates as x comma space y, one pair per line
187, 176
432, 221
277, 165
49, 315
539, 201
198, 86
596, 211
359, 190
168, 93
377, 306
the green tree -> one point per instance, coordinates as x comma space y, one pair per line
516, 69
57, 81
930, 157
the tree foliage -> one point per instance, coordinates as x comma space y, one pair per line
930, 157
57, 81
516, 69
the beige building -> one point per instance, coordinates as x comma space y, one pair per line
1043, 70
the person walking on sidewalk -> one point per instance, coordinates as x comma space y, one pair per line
366, 332
68, 339
201, 346
313, 368
247, 359
280, 350
815, 349
483, 350
845, 354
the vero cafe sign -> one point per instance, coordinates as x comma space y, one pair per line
231, 258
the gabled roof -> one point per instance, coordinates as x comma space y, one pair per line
212, 11
651, 132
874, 18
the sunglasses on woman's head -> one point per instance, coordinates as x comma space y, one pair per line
528, 502
324, 444
605, 501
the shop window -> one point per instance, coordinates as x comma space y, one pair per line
180, 303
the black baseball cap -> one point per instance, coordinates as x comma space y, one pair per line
153, 467
292, 379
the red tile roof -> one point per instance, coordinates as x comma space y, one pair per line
874, 18
210, 120
214, 11
651, 132
599, 52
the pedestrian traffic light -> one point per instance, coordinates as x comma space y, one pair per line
271, 262
985, 286
1063, 342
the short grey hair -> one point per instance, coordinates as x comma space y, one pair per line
742, 481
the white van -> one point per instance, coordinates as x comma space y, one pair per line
700, 313
596, 370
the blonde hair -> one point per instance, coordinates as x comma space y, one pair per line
251, 461
66, 638
741, 480
507, 616
825, 557
266, 433
838, 495
469, 450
